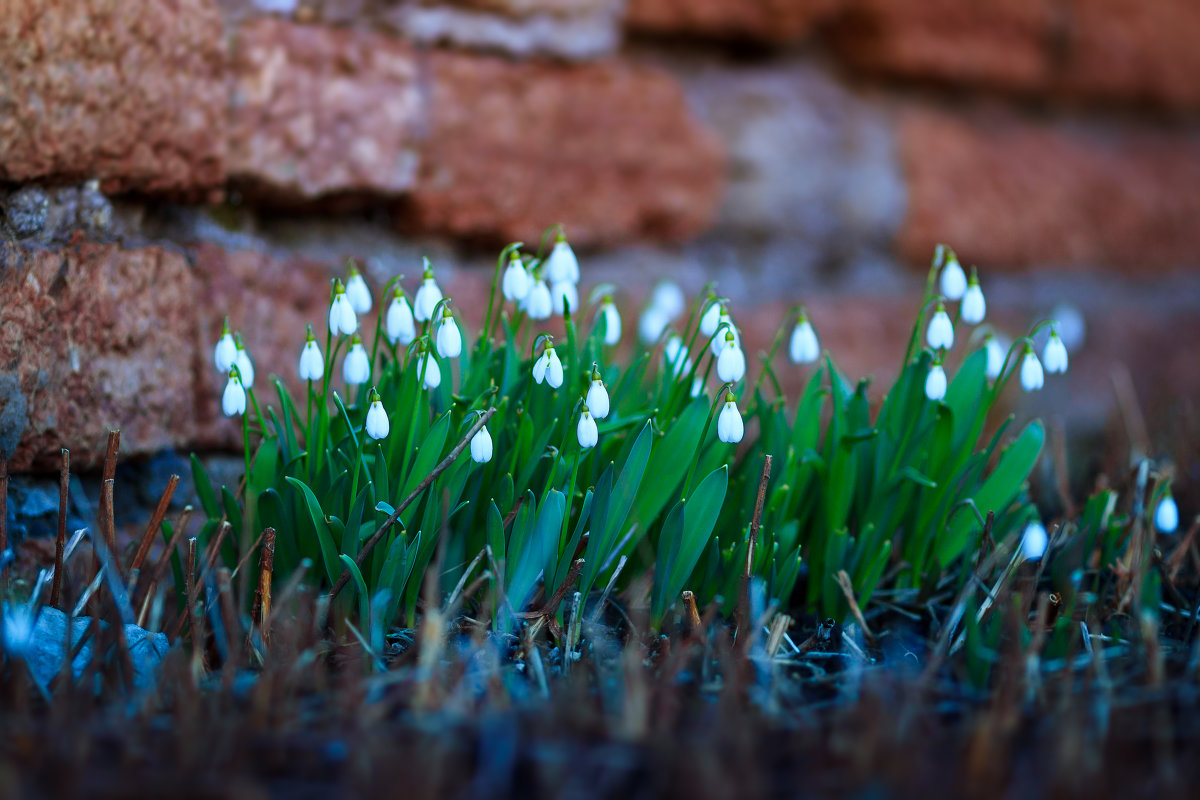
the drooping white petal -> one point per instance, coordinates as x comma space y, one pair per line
941, 331
717, 343
731, 364
995, 358
804, 347
516, 281
356, 368
651, 325
399, 324
245, 367
586, 430
429, 294
730, 428
377, 424
974, 307
954, 280
312, 364
449, 339
554, 369
1034, 541
564, 296
433, 373
711, 319
540, 366
1032, 377
224, 353
233, 399
358, 294
1166, 516
612, 323
562, 266
481, 446
1055, 354
668, 299
676, 355
935, 383
342, 318
538, 303
597, 399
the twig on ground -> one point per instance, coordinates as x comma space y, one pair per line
60, 542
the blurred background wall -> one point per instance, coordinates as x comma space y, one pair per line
166, 164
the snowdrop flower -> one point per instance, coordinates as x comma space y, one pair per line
342, 318
538, 303
935, 382
377, 424
729, 422
244, 365
516, 280
548, 368
564, 297
226, 350
312, 364
711, 319
612, 321
676, 354
586, 429
731, 364
449, 339
399, 324
973, 306
561, 265
428, 367
597, 397
1032, 377
1034, 542
357, 292
1166, 516
1055, 353
233, 400
995, 357
651, 325
356, 367
697, 386
428, 296
717, 343
954, 280
19, 625
668, 299
481, 446
941, 330
804, 347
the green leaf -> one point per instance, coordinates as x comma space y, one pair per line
699, 513
204, 490
364, 599
610, 511
318, 527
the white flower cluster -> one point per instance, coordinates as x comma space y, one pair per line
233, 362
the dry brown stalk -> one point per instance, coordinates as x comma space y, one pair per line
160, 512
60, 543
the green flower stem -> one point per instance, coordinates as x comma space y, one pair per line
485, 333
775, 345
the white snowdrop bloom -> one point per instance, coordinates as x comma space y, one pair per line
233, 399
449, 338
711, 318
399, 324
538, 304
676, 355
428, 367
429, 294
941, 330
20, 621
731, 364
357, 292
356, 367
226, 350
244, 365
597, 397
804, 347
995, 357
515, 284
312, 363
1034, 542
586, 429
548, 368
481, 446
1070, 324
669, 300
377, 424
730, 428
954, 280
1166, 516
563, 296
612, 321
697, 386
561, 265
1055, 354
342, 318
651, 325
1032, 377
717, 343
973, 307
935, 382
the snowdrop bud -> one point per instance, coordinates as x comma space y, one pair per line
428, 296
481, 446
226, 350
564, 296
538, 304
428, 367
516, 280
1031, 371
804, 347
356, 367
342, 318
729, 422
586, 429
377, 424
562, 266
597, 397
995, 357
935, 382
973, 306
312, 364
357, 292
449, 339
731, 364
941, 330
1055, 353
669, 300
1166, 516
233, 400
399, 324
954, 280
244, 365
652, 324
612, 321
676, 354
711, 318
1034, 542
